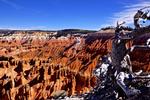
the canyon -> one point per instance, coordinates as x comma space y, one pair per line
41, 65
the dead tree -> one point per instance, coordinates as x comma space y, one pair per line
119, 49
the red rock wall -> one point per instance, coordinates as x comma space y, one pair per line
43, 68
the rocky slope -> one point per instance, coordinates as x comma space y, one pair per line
36, 67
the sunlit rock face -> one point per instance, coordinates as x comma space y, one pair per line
37, 66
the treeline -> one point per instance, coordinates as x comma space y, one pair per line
122, 27
65, 32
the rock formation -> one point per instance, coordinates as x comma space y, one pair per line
42, 68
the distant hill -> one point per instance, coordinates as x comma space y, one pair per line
7, 31
112, 27
73, 31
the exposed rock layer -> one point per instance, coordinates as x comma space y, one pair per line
37, 69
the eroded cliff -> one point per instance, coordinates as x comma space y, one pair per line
36, 68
